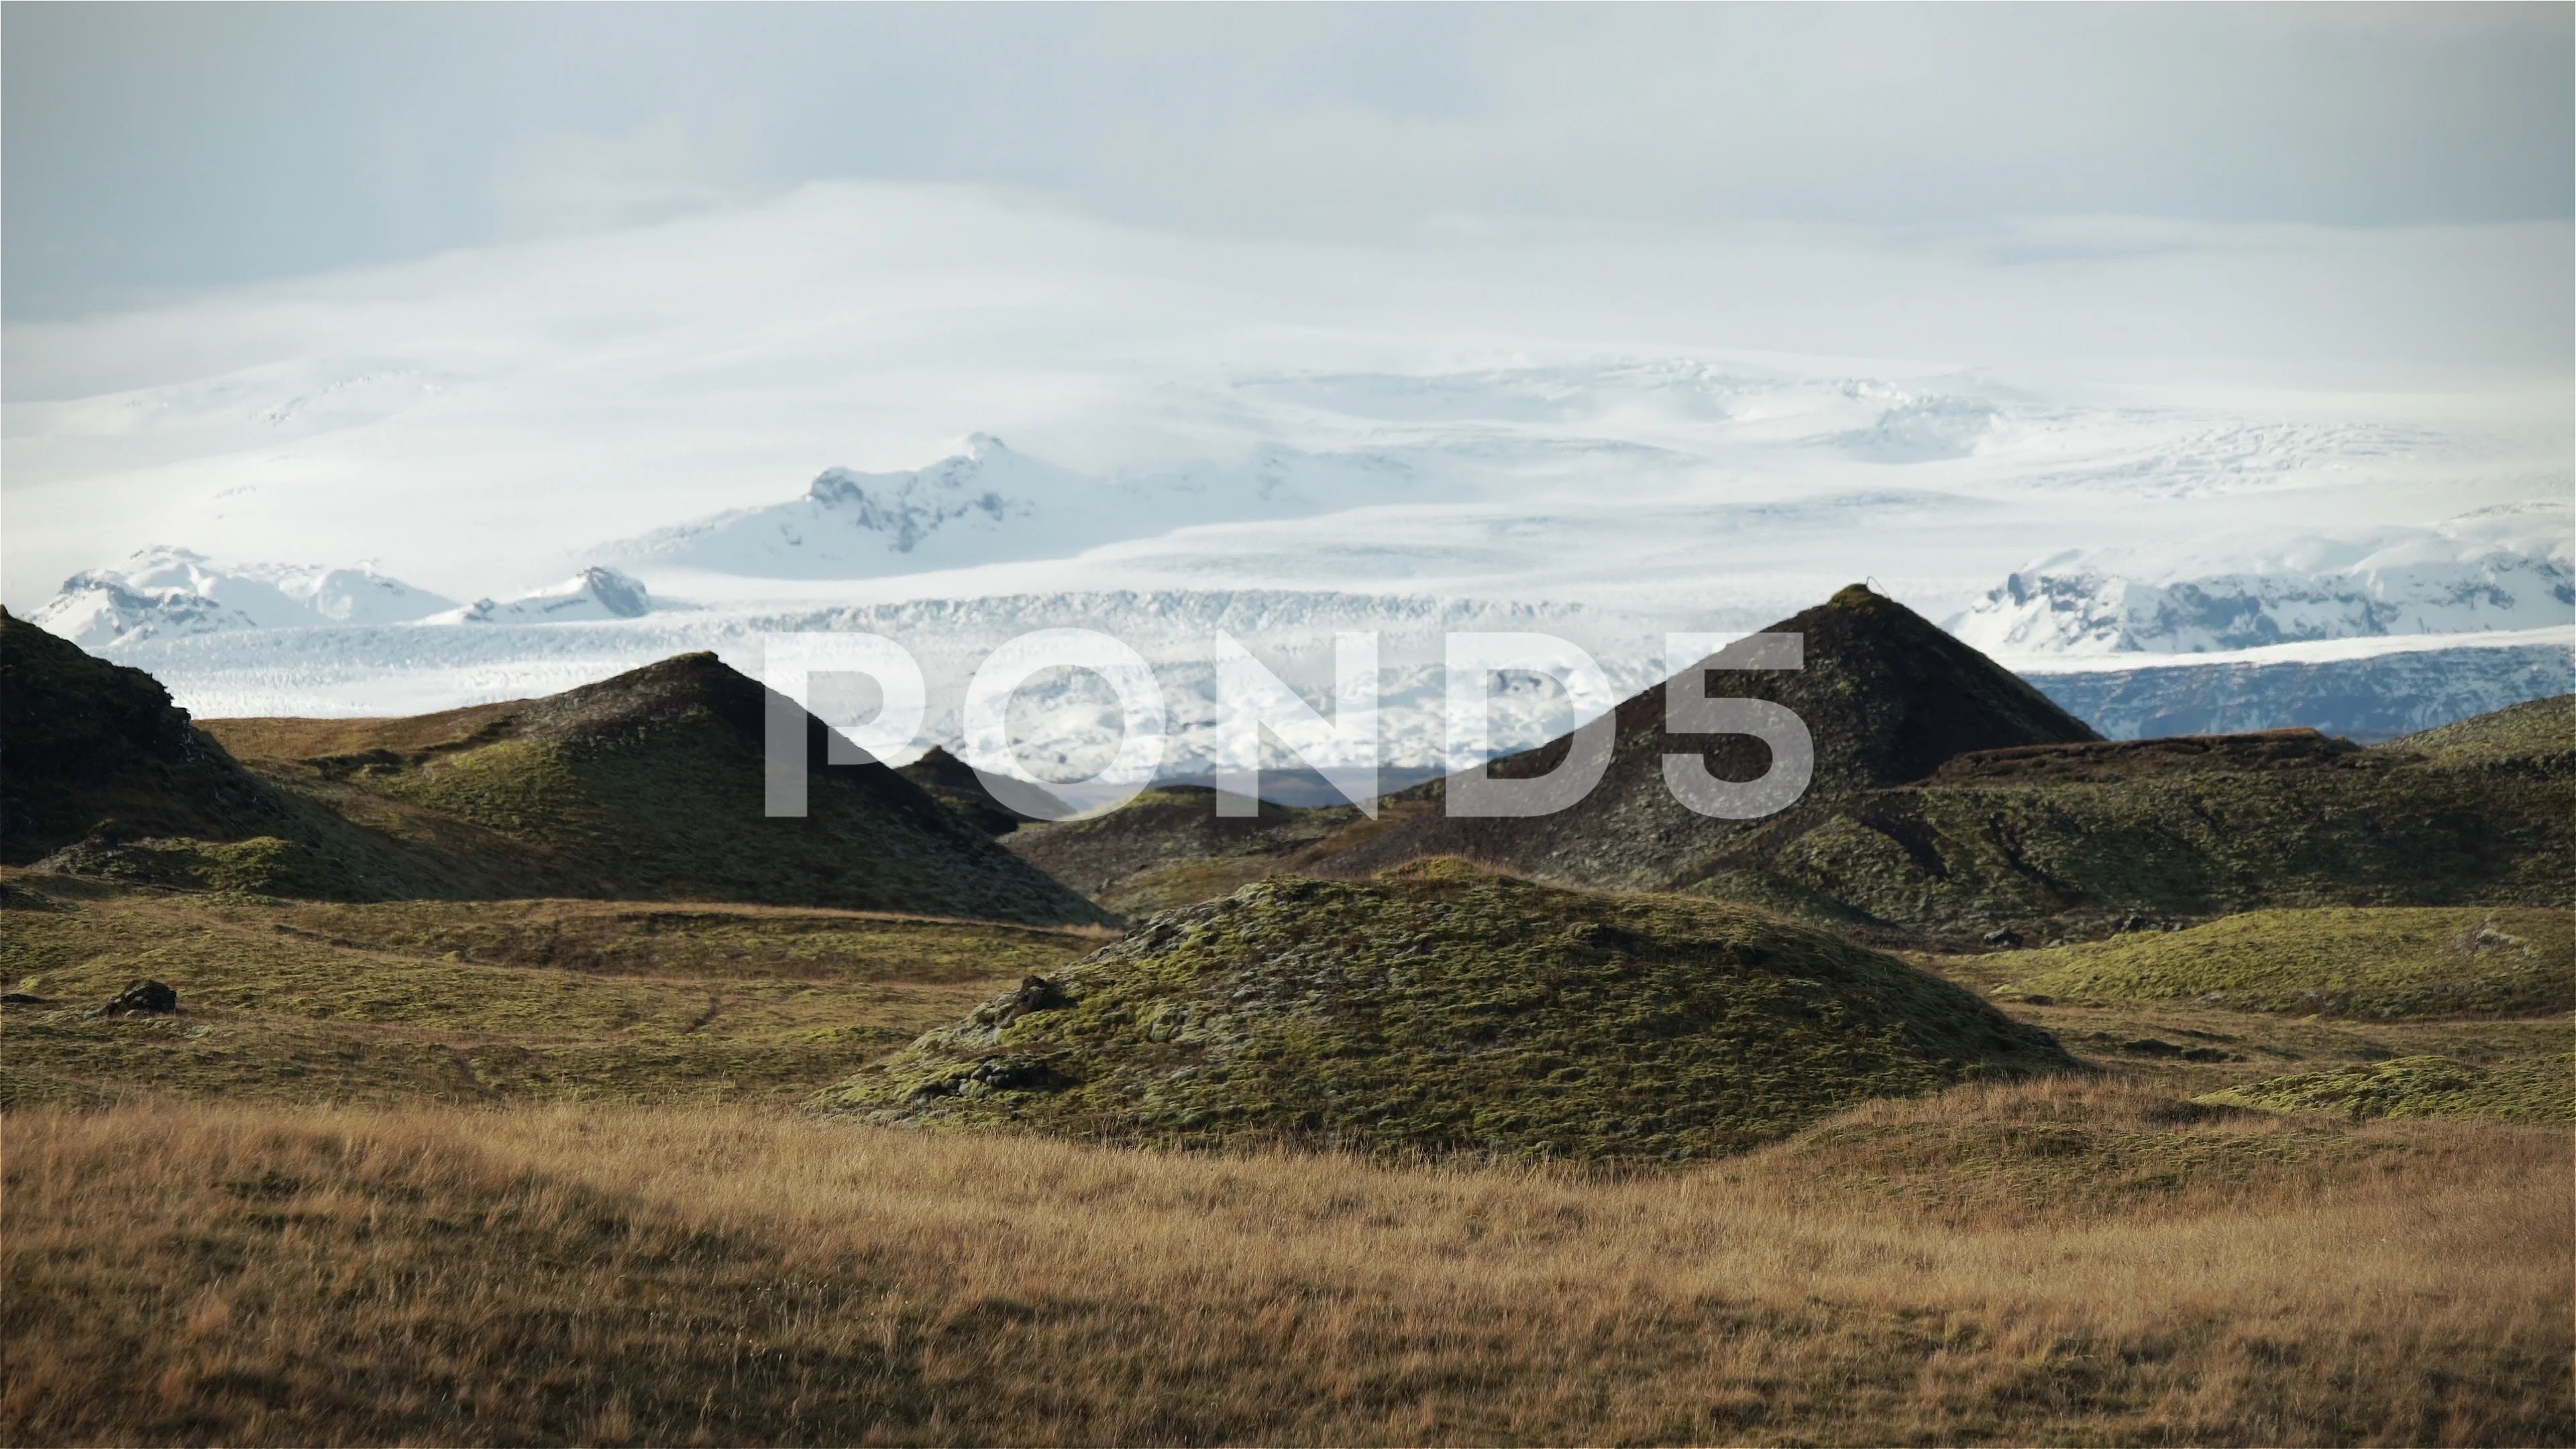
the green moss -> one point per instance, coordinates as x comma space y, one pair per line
1445, 1011
261, 865
744, 943
2369, 963
2533, 1089
2106, 1148
668, 806
2540, 733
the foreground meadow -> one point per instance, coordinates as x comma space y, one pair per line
2082, 1260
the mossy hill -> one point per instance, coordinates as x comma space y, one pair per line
84, 742
953, 783
644, 786
2536, 736
2377, 964
649, 785
1448, 1010
1886, 695
2530, 1089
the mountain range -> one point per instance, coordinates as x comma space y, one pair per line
2505, 568
166, 592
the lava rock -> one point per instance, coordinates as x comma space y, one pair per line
998, 1074
1035, 993
143, 998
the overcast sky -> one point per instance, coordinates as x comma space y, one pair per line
156, 151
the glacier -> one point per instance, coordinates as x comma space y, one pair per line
2378, 695
2367, 688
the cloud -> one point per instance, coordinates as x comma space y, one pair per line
471, 416
564, 183
179, 148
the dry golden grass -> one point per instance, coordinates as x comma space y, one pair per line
258, 737
1954, 1270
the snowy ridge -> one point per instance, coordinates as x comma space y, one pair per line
166, 591
595, 593
987, 503
858, 525
2507, 568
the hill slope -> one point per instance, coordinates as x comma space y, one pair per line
1886, 695
2073, 840
649, 785
1168, 847
1448, 1010
84, 741
1946, 806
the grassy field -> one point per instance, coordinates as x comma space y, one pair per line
2388, 962
478, 1002
534, 1172
1911, 1273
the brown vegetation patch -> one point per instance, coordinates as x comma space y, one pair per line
251, 1275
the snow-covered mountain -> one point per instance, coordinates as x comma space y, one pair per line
975, 505
165, 591
2500, 568
596, 592
986, 503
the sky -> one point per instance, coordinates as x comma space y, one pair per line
472, 290
152, 152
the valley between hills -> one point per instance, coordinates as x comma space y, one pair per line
524, 1084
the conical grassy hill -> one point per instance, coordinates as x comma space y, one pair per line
1886, 695
1443, 1010
651, 783
1950, 804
